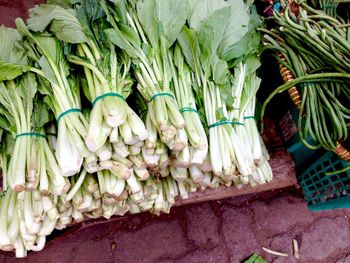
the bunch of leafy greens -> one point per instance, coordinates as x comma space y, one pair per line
146, 30
32, 165
62, 94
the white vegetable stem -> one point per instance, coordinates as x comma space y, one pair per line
5, 242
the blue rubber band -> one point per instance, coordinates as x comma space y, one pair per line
109, 94
219, 123
277, 7
162, 94
66, 112
34, 134
237, 123
249, 117
188, 109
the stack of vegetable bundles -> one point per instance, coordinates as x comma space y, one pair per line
109, 107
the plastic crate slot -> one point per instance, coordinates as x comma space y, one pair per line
321, 191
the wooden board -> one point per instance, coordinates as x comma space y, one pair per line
283, 167
284, 176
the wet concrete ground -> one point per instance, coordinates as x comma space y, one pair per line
218, 231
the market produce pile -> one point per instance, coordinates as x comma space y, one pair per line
109, 107
312, 44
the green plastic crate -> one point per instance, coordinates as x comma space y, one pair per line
325, 192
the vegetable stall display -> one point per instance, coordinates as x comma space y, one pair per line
110, 107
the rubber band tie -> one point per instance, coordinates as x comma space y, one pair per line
249, 117
34, 134
219, 123
188, 109
67, 112
109, 94
162, 94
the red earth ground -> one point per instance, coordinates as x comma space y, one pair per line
218, 231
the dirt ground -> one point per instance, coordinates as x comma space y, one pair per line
218, 231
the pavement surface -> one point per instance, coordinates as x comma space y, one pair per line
218, 231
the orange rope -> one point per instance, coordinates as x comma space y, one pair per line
287, 76
342, 152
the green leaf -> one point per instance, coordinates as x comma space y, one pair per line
9, 141
46, 45
121, 9
27, 87
63, 22
92, 9
7, 118
167, 68
147, 50
104, 64
237, 26
43, 86
162, 18
8, 39
74, 85
255, 259
226, 94
52, 104
10, 71
146, 13
86, 89
4, 122
172, 16
220, 70
12, 57
188, 40
125, 40
89, 14
178, 57
53, 51
47, 69
201, 10
5, 100
21, 27
252, 64
40, 115
61, 3
211, 35
16, 98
